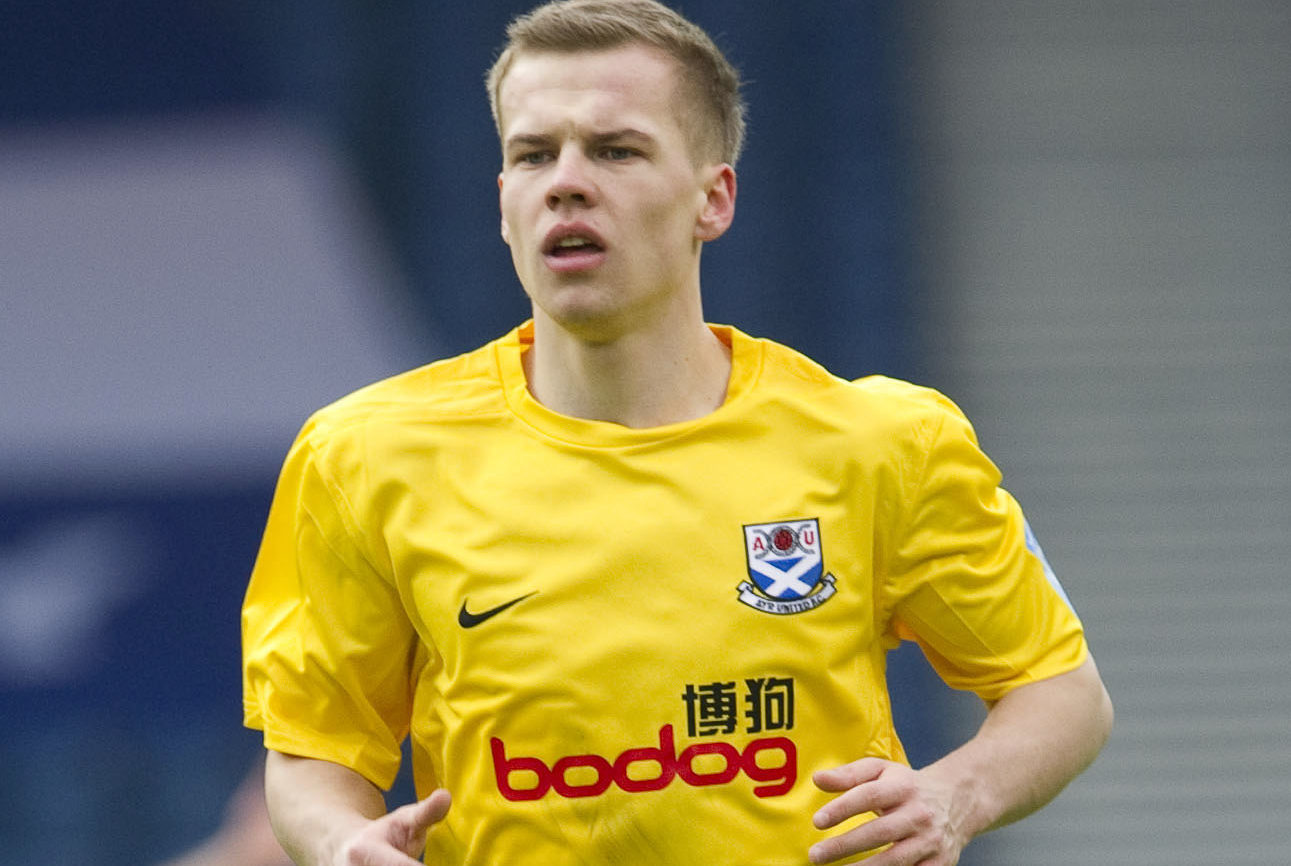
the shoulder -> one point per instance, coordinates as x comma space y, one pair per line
919, 422
906, 401
453, 389
874, 404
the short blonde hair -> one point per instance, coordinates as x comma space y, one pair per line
715, 121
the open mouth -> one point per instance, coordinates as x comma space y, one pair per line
573, 245
573, 249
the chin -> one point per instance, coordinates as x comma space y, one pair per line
589, 322
579, 307
592, 327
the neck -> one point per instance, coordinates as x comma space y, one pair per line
637, 379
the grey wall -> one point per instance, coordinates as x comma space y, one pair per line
1107, 214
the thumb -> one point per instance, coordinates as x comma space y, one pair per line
408, 824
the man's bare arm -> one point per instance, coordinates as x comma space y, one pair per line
1033, 742
328, 815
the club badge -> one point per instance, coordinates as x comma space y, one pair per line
788, 570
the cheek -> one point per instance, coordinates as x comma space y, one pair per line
514, 225
665, 218
511, 198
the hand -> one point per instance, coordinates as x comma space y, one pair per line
398, 837
913, 810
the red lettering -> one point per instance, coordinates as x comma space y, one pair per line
665, 756
784, 775
604, 775
779, 778
686, 765
504, 767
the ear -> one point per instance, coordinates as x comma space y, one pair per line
506, 232
719, 203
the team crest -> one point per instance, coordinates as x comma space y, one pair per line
787, 567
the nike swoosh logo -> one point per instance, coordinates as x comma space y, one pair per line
466, 619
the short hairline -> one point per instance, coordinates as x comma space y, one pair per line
705, 147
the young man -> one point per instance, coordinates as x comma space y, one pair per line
628, 580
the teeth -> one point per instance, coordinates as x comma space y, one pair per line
573, 241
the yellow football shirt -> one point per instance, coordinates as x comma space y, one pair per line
629, 646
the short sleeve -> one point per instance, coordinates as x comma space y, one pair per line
962, 579
328, 651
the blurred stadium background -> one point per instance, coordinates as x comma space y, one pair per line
1074, 218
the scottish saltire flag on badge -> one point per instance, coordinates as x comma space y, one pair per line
786, 566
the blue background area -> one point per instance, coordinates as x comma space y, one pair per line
131, 760
134, 757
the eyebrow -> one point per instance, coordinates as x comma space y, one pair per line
625, 134
535, 139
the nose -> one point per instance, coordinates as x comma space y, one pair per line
571, 183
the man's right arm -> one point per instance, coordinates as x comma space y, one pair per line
325, 814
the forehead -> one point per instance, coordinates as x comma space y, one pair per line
591, 87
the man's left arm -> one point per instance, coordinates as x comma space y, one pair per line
1034, 740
